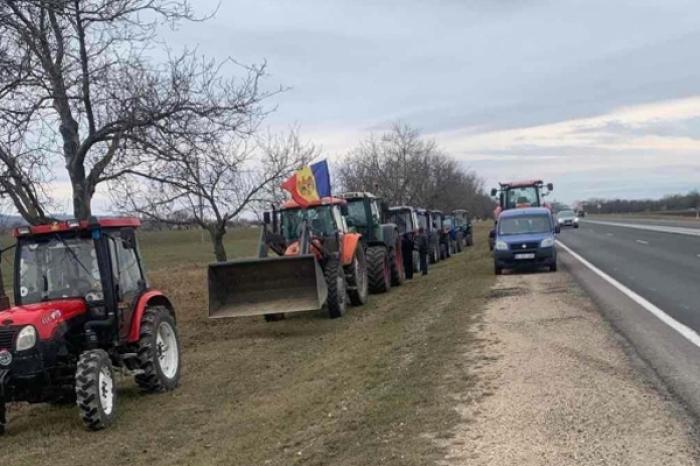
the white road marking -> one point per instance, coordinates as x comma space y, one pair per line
685, 331
641, 241
658, 228
609, 234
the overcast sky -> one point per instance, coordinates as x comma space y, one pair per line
600, 97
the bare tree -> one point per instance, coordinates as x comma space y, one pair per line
405, 168
77, 85
210, 183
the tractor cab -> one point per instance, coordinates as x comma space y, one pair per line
94, 263
521, 194
405, 218
323, 219
365, 215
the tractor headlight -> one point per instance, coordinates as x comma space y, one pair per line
26, 338
501, 245
547, 243
575, 219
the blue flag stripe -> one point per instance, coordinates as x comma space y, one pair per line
323, 178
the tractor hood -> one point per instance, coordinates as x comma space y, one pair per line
44, 316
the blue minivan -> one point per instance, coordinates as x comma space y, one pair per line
525, 238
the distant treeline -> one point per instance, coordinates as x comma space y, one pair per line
680, 203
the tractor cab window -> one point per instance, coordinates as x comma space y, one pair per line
522, 197
126, 269
356, 213
402, 221
448, 223
321, 222
423, 222
58, 268
376, 216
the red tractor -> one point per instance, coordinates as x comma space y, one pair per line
517, 194
83, 309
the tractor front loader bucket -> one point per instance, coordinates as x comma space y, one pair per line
268, 285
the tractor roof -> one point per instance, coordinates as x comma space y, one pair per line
521, 183
460, 211
291, 204
397, 208
69, 225
357, 195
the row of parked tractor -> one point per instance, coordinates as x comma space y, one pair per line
332, 252
83, 309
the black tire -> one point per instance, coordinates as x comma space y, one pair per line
396, 269
443, 251
553, 266
378, 269
95, 389
150, 351
337, 293
470, 240
356, 274
434, 255
460, 242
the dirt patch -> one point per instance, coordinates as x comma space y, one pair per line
559, 389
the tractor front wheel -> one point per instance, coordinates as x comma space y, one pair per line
95, 389
378, 269
158, 351
356, 274
335, 280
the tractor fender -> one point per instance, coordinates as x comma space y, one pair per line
347, 251
149, 298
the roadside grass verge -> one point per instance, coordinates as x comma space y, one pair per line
375, 387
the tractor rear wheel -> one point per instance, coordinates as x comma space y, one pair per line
158, 351
378, 269
95, 389
396, 270
460, 242
356, 274
335, 280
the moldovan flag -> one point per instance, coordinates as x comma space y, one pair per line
309, 183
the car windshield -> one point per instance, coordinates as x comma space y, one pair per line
58, 268
356, 213
320, 221
566, 214
522, 197
524, 224
402, 219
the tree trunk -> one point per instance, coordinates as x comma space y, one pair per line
217, 239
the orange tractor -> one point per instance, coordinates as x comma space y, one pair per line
315, 261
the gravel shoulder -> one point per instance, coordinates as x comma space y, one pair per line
563, 388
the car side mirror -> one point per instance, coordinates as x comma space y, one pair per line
492, 233
550, 186
557, 229
266, 218
494, 192
344, 209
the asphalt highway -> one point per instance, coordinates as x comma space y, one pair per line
645, 276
